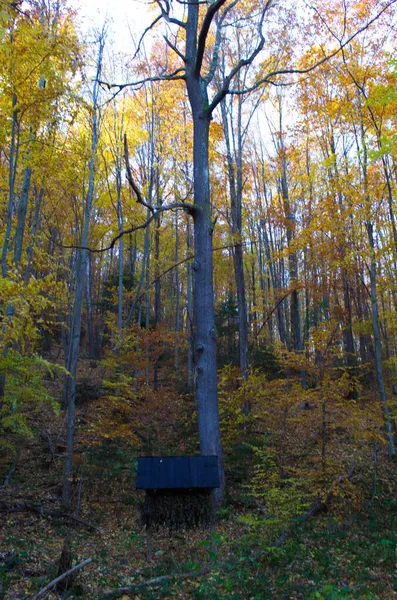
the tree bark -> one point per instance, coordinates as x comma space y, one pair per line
374, 301
75, 329
204, 317
177, 296
11, 184
35, 224
189, 316
296, 326
235, 169
21, 219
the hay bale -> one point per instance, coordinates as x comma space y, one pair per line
180, 509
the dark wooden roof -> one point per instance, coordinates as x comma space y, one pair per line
176, 472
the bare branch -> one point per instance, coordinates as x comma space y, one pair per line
244, 62
218, 40
189, 208
186, 259
174, 76
174, 48
273, 310
165, 13
131, 180
157, 19
294, 71
202, 39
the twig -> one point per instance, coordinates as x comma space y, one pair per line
54, 582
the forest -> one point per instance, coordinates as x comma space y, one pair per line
198, 246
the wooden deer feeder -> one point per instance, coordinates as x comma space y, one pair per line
178, 490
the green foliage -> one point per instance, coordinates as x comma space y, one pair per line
232, 398
30, 310
26, 390
284, 497
108, 463
265, 359
115, 417
113, 459
226, 321
108, 301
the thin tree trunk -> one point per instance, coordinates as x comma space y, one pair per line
147, 310
11, 186
378, 349
35, 224
234, 169
21, 218
177, 295
75, 330
189, 316
374, 304
90, 324
157, 293
119, 137
10, 205
296, 327
137, 296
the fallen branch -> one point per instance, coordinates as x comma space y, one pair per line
45, 513
82, 522
21, 507
155, 581
54, 582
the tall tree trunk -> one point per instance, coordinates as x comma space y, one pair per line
36, 217
177, 296
119, 137
10, 205
254, 317
204, 317
11, 185
235, 177
378, 347
21, 218
157, 295
90, 322
75, 330
189, 316
147, 309
296, 326
137, 295
374, 301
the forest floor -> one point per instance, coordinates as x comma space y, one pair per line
339, 554
348, 551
